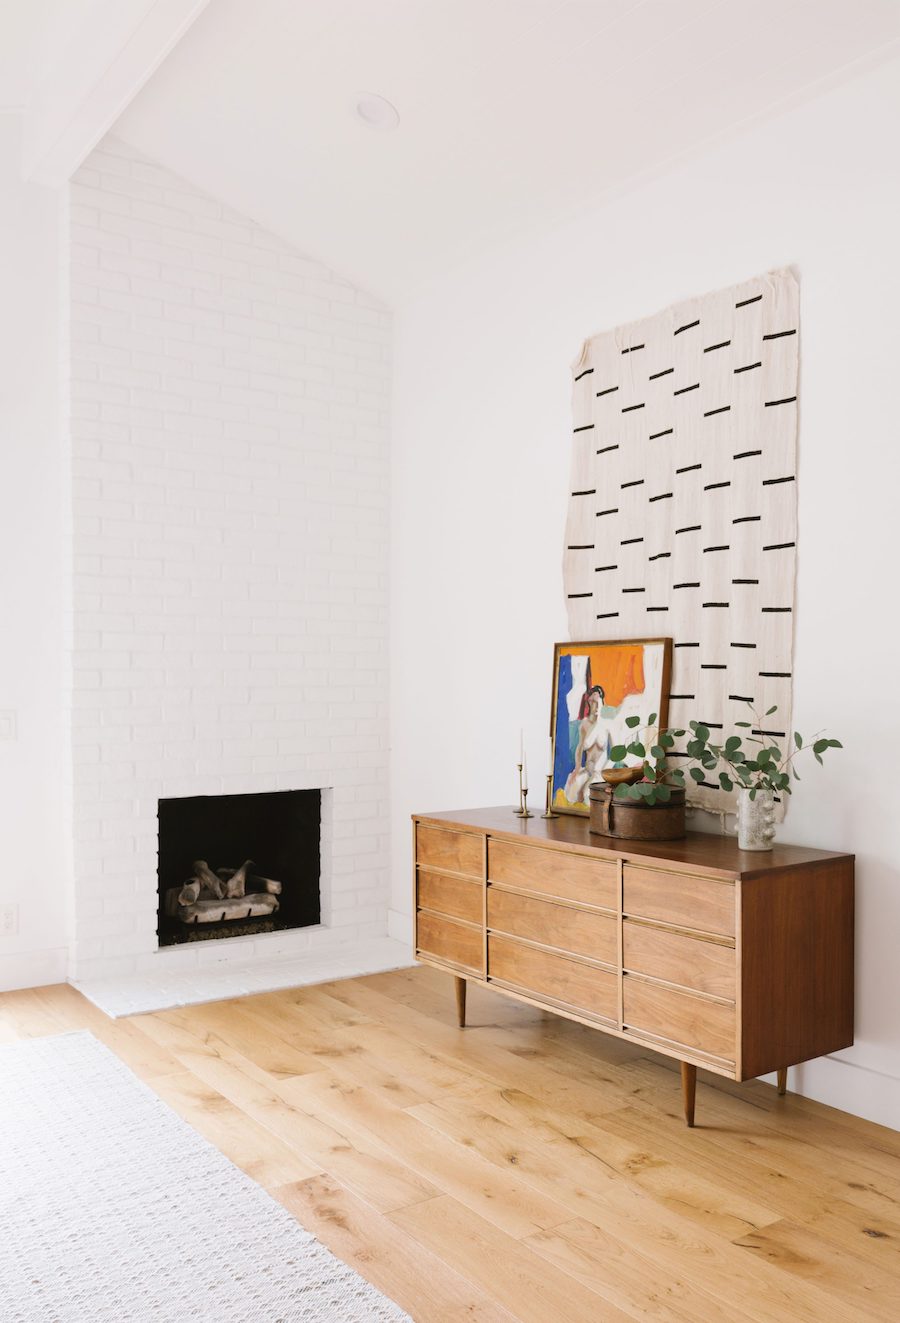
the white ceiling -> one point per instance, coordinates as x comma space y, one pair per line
512, 112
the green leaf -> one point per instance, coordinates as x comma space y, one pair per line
667, 740
657, 752
820, 746
617, 753
771, 710
677, 777
637, 749
677, 733
797, 776
732, 744
818, 758
725, 781
798, 739
702, 733
753, 793
696, 773
651, 720
835, 744
663, 793
747, 724
631, 722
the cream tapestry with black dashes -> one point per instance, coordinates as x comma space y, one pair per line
683, 508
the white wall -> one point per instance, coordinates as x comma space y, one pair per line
229, 422
34, 872
481, 460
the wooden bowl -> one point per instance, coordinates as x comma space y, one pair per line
622, 776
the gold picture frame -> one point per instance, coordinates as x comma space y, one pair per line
635, 674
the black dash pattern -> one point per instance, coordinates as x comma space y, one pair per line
697, 584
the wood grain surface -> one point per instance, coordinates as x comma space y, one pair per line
526, 1168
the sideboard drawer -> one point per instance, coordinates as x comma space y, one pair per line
556, 977
679, 898
554, 873
705, 966
580, 931
455, 850
455, 896
447, 939
680, 1017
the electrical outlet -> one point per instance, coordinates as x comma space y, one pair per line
9, 920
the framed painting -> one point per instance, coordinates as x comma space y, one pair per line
595, 687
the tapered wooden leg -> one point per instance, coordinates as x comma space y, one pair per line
782, 1081
461, 1000
688, 1090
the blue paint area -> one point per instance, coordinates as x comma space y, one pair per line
565, 734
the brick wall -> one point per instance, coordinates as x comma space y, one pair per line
229, 434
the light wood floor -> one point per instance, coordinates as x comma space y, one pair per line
524, 1168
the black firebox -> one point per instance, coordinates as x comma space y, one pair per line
238, 865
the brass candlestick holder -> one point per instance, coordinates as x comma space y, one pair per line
548, 811
522, 810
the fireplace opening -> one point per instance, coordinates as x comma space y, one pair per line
238, 865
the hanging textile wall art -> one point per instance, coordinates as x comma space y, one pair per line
683, 509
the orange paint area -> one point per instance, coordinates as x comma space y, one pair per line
619, 670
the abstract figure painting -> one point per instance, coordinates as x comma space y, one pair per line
595, 687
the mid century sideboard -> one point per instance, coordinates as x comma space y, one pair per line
738, 962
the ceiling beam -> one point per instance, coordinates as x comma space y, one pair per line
103, 69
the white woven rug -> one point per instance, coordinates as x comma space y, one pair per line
113, 1209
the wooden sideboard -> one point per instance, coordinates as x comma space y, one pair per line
735, 961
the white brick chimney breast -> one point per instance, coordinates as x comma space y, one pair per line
229, 451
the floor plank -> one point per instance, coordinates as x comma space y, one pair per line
533, 1289
415, 1278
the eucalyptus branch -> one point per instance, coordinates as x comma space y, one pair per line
768, 769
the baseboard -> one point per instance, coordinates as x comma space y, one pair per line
850, 1087
33, 969
400, 927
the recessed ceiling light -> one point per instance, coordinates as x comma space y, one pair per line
376, 112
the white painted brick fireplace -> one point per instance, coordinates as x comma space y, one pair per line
229, 449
